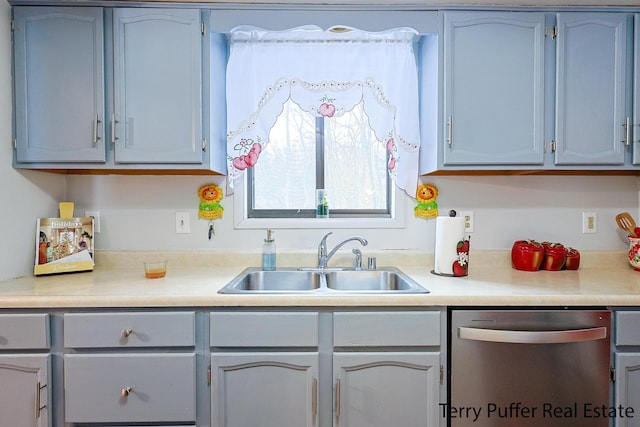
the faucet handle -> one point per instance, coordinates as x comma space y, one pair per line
358, 254
371, 263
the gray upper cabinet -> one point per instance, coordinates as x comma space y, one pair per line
591, 61
158, 86
117, 89
636, 91
59, 84
493, 88
535, 90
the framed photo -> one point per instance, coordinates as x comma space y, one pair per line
64, 245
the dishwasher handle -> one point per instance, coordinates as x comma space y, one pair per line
532, 337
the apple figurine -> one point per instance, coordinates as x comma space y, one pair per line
573, 259
555, 256
527, 255
460, 266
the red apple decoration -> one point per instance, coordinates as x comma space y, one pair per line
527, 255
555, 256
573, 259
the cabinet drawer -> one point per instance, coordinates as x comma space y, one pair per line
162, 387
627, 330
389, 328
264, 329
170, 329
24, 331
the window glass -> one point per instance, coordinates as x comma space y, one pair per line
340, 154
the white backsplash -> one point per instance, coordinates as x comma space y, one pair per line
138, 213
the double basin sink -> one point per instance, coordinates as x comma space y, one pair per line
388, 280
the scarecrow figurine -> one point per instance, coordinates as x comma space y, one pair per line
210, 195
427, 206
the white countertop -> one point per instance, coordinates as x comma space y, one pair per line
194, 278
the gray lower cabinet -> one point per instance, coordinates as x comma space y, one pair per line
342, 369
273, 380
398, 383
25, 364
627, 366
130, 367
264, 389
380, 389
129, 388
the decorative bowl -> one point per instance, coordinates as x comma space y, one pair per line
634, 253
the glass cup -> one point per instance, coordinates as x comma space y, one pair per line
155, 269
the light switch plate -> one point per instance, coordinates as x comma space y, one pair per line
182, 223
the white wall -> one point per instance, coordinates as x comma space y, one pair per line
24, 195
138, 212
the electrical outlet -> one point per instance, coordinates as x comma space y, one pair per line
468, 221
96, 219
589, 222
182, 223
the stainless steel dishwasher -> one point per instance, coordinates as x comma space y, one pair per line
529, 368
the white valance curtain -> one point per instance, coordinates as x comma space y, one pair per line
326, 73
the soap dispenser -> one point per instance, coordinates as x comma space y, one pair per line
269, 252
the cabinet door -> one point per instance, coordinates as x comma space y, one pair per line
264, 389
494, 88
636, 90
157, 86
386, 389
627, 387
591, 59
25, 400
59, 84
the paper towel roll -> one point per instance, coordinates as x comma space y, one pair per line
449, 231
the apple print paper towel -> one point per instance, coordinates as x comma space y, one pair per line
449, 233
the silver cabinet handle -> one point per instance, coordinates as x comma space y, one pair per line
126, 391
126, 332
314, 398
450, 131
627, 131
113, 130
39, 407
96, 121
337, 399
532, 337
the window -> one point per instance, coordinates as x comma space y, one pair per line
340, 154
309, 109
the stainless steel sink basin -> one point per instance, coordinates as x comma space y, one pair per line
372, 281
387, 280
259, 281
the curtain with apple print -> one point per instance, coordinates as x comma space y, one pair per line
326, 73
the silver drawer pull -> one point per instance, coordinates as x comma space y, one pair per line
126, 332
125, 391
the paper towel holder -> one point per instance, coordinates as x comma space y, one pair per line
460, 265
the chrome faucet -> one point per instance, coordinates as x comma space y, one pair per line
324, 257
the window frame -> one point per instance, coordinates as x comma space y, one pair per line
241, 219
